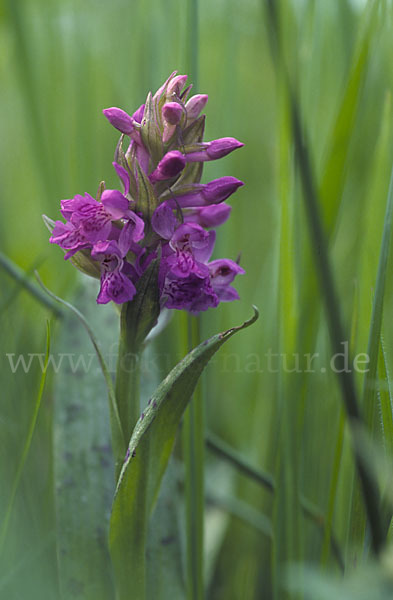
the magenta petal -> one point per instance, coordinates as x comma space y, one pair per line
76, 204
222, 147
203, 254
176, 85
117, 287
115, 203
164, 86
163, 221
68, 237
124, 176
138, 114
195, 105
172, 112
119, 119
220, 189
223, 271
227, 294
96, 228
209, 216
169, 166
190, 234
131, 232
139, 226
102, 249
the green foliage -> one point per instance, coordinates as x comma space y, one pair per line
148, 454
61, 63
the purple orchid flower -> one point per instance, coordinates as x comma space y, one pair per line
68, 237
162, 213
94, 219
116, 284
191, 293
222, 273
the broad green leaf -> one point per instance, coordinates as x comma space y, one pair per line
147, 458
165, 577
83, 469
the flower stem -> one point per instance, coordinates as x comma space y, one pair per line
193, 449
128, 380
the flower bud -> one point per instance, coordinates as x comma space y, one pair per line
170, 166
176, 85
138, 114
195, 105
119, 119
222, 147
172, 112
209, 216
211, 150
220, 189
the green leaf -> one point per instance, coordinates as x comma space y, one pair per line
369, 387
118, 443
83, 467
385, 399
165, 577
194, 133
149, 451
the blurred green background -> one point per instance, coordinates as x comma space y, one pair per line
61, 63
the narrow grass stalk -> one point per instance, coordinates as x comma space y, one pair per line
266, 480
193, 449
225, 451
23, 280
369, 387
370, 490
26, 447
369, 487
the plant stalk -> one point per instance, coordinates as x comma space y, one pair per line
128, 380
193, 450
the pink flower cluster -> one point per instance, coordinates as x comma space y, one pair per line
162, 211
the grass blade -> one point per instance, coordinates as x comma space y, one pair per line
26, 447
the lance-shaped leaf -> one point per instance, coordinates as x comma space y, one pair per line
147, 458
83, 469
